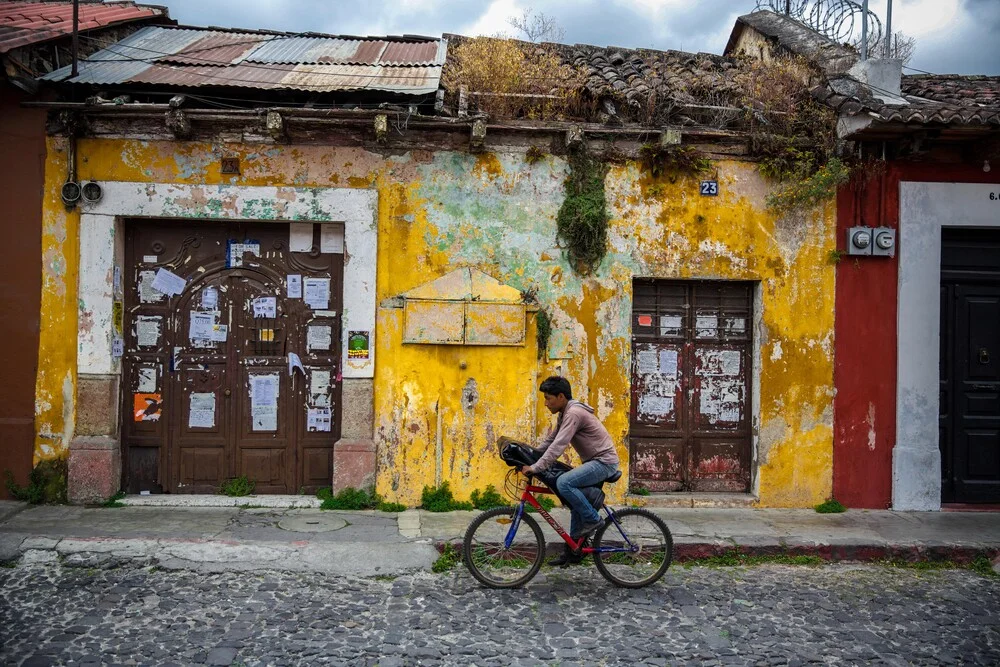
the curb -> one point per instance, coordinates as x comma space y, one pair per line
959, 554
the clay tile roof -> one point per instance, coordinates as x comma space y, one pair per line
26, 23
948, 99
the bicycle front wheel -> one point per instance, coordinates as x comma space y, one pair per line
640, 548
494, 564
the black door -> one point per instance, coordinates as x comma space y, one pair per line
970, 366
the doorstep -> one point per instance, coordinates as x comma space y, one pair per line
208, 500
679, 500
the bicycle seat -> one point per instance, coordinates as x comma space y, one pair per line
614, 477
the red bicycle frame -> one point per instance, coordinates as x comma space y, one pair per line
526, 497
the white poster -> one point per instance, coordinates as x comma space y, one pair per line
331, 238
318, 337
265, 306
220, 332
647, 363
168, 283
146, 292
210, 298
116, 281
202, 323
707, 325
657, 406
147, 330
318, 419
319, 387
670, 325
147, 380
117, 347
264, 402
317, 293
202, 412
668, 363
237, 250
294, 289
300, 236
294, 362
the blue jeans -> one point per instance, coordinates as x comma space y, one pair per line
569, 485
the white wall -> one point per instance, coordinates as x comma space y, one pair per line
926, 208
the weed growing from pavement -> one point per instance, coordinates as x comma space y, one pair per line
981, 564
250, 506
735, 558
831, 506
488, 499
440, 499
113, 501
640, 490
386, 577
447, 560
238, 487
355, 499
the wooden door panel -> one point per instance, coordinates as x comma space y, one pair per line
226, 267
689, 421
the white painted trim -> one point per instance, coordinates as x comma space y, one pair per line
99, 237
924, 209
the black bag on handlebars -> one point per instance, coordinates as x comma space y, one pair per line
517, 454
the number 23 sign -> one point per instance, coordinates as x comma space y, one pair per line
709, 188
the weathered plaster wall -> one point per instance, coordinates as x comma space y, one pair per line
55, 389
439, 211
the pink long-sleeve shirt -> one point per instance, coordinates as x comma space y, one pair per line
578, 426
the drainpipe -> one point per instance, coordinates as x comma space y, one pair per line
438, 447
864, 30
76, 36
888, 30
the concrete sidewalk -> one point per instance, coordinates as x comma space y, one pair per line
195, 533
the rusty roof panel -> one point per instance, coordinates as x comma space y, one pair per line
185, 57
412, 53
239, 76
217, 48
326, 78
25, 23
341, 51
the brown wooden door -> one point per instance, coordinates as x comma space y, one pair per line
970, 367
689, 417
216, 359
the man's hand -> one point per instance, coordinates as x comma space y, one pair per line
526, 470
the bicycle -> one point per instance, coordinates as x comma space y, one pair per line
633, 548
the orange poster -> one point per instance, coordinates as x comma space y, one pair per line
146, 407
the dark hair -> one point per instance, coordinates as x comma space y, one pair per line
556, 385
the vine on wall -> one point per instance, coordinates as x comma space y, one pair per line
582, 222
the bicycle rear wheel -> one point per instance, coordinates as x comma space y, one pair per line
490, 561
647, 548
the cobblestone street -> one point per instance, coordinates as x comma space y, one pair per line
768, 615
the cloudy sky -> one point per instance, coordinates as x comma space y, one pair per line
953, 36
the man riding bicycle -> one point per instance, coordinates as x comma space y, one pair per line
577, 426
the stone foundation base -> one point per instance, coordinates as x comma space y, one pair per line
95, 469
353, 464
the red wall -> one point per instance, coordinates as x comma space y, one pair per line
22, 168
864, 418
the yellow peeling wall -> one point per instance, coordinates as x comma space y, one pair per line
439, 409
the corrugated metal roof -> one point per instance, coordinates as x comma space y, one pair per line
24, 23
215, 49
341, 51
184, 57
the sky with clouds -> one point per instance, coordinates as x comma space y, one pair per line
953, 36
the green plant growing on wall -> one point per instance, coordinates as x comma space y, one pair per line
533, 155
543, 331
582, 222
812, 190
46, 484
672, 160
